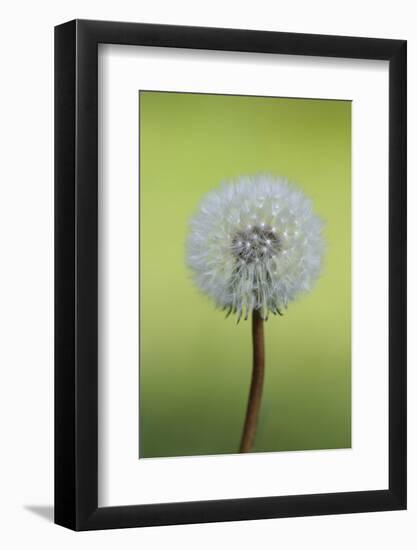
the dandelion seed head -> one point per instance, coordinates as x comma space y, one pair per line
255, 243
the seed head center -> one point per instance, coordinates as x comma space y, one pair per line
256, 244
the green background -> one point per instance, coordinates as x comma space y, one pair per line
195, 366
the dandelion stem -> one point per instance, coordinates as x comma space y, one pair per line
255, 393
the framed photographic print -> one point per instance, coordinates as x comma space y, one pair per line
230, 252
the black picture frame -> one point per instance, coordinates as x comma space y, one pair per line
76, 272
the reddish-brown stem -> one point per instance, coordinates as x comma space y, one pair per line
255, 393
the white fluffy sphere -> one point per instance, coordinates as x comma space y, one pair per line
255, 243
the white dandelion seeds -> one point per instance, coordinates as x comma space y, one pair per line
255, 245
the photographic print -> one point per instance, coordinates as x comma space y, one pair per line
245, 274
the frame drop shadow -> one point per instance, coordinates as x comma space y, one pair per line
45, 512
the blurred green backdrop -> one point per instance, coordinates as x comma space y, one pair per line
195, 366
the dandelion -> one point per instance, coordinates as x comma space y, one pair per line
254, 246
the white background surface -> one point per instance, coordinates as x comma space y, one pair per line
123, 479
26, 290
